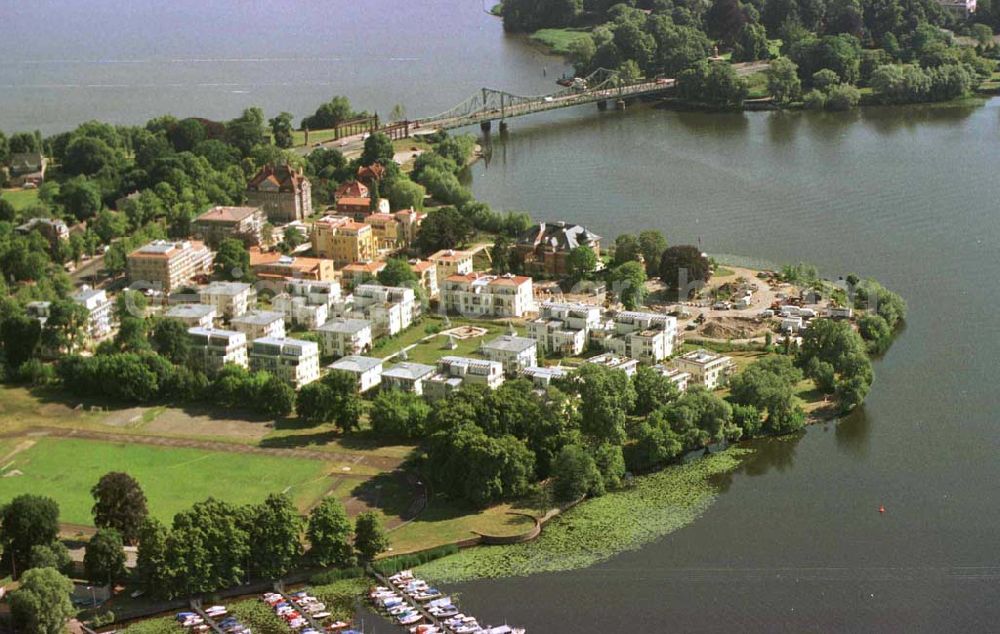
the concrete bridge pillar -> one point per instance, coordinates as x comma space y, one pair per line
485, 126
602, 105
503, 127
620, 104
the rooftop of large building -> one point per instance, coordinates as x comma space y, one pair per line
226, 288
189, 311
165, 248
409, 371
259, 318
355, 363
480, 279
702, 357
561, 236
216, 333
282, 177
451, 360
449, 255
344, 325
510, 343
278, 345
227, 214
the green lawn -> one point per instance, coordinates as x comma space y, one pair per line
758, 85
20, 198
430, 351
559, 40
172, 478
315, 136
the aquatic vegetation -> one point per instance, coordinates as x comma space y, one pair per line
599, 528
341, 597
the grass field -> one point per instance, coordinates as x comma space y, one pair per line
430, 351
172, 478
558, 40
315, 136
20, 198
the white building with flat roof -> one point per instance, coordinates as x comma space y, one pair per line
676, 376
299, 312
216, 347
293, 360
314, 291
476, 295
575, 315
342, 336
390, 309
257, 324
706, 368
100, 309
192, 315
230, 299
515, 353
615, 362
165, 265
450, 262
406, 376
366, 370
542, 376
453, 372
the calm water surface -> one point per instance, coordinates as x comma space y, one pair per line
911, 196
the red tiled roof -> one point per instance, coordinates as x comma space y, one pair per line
286, 178
354, 201
353, 189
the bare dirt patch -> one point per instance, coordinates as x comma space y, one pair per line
465, 332
130, 417
175, 422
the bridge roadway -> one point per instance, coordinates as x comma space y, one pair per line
521, 106
542, 104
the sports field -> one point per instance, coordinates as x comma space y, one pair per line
172, 477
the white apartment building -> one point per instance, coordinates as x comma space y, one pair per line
314, 291
449, 262
293, 360
408, 377
100, 310
366, 370
514, 353
165, 265
390, 309
562, 327
299, 311
342, 336
192, 315
677, 377
230, 299
487, 295
575, 315
542, 376
706, 368
216, 347
453, 372
615, 362
645, 336
258, 324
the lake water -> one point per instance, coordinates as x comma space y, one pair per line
910, 196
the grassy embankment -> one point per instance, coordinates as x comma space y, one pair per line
599, 528
558, 41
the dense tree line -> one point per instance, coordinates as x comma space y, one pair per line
212, 545
852, 38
